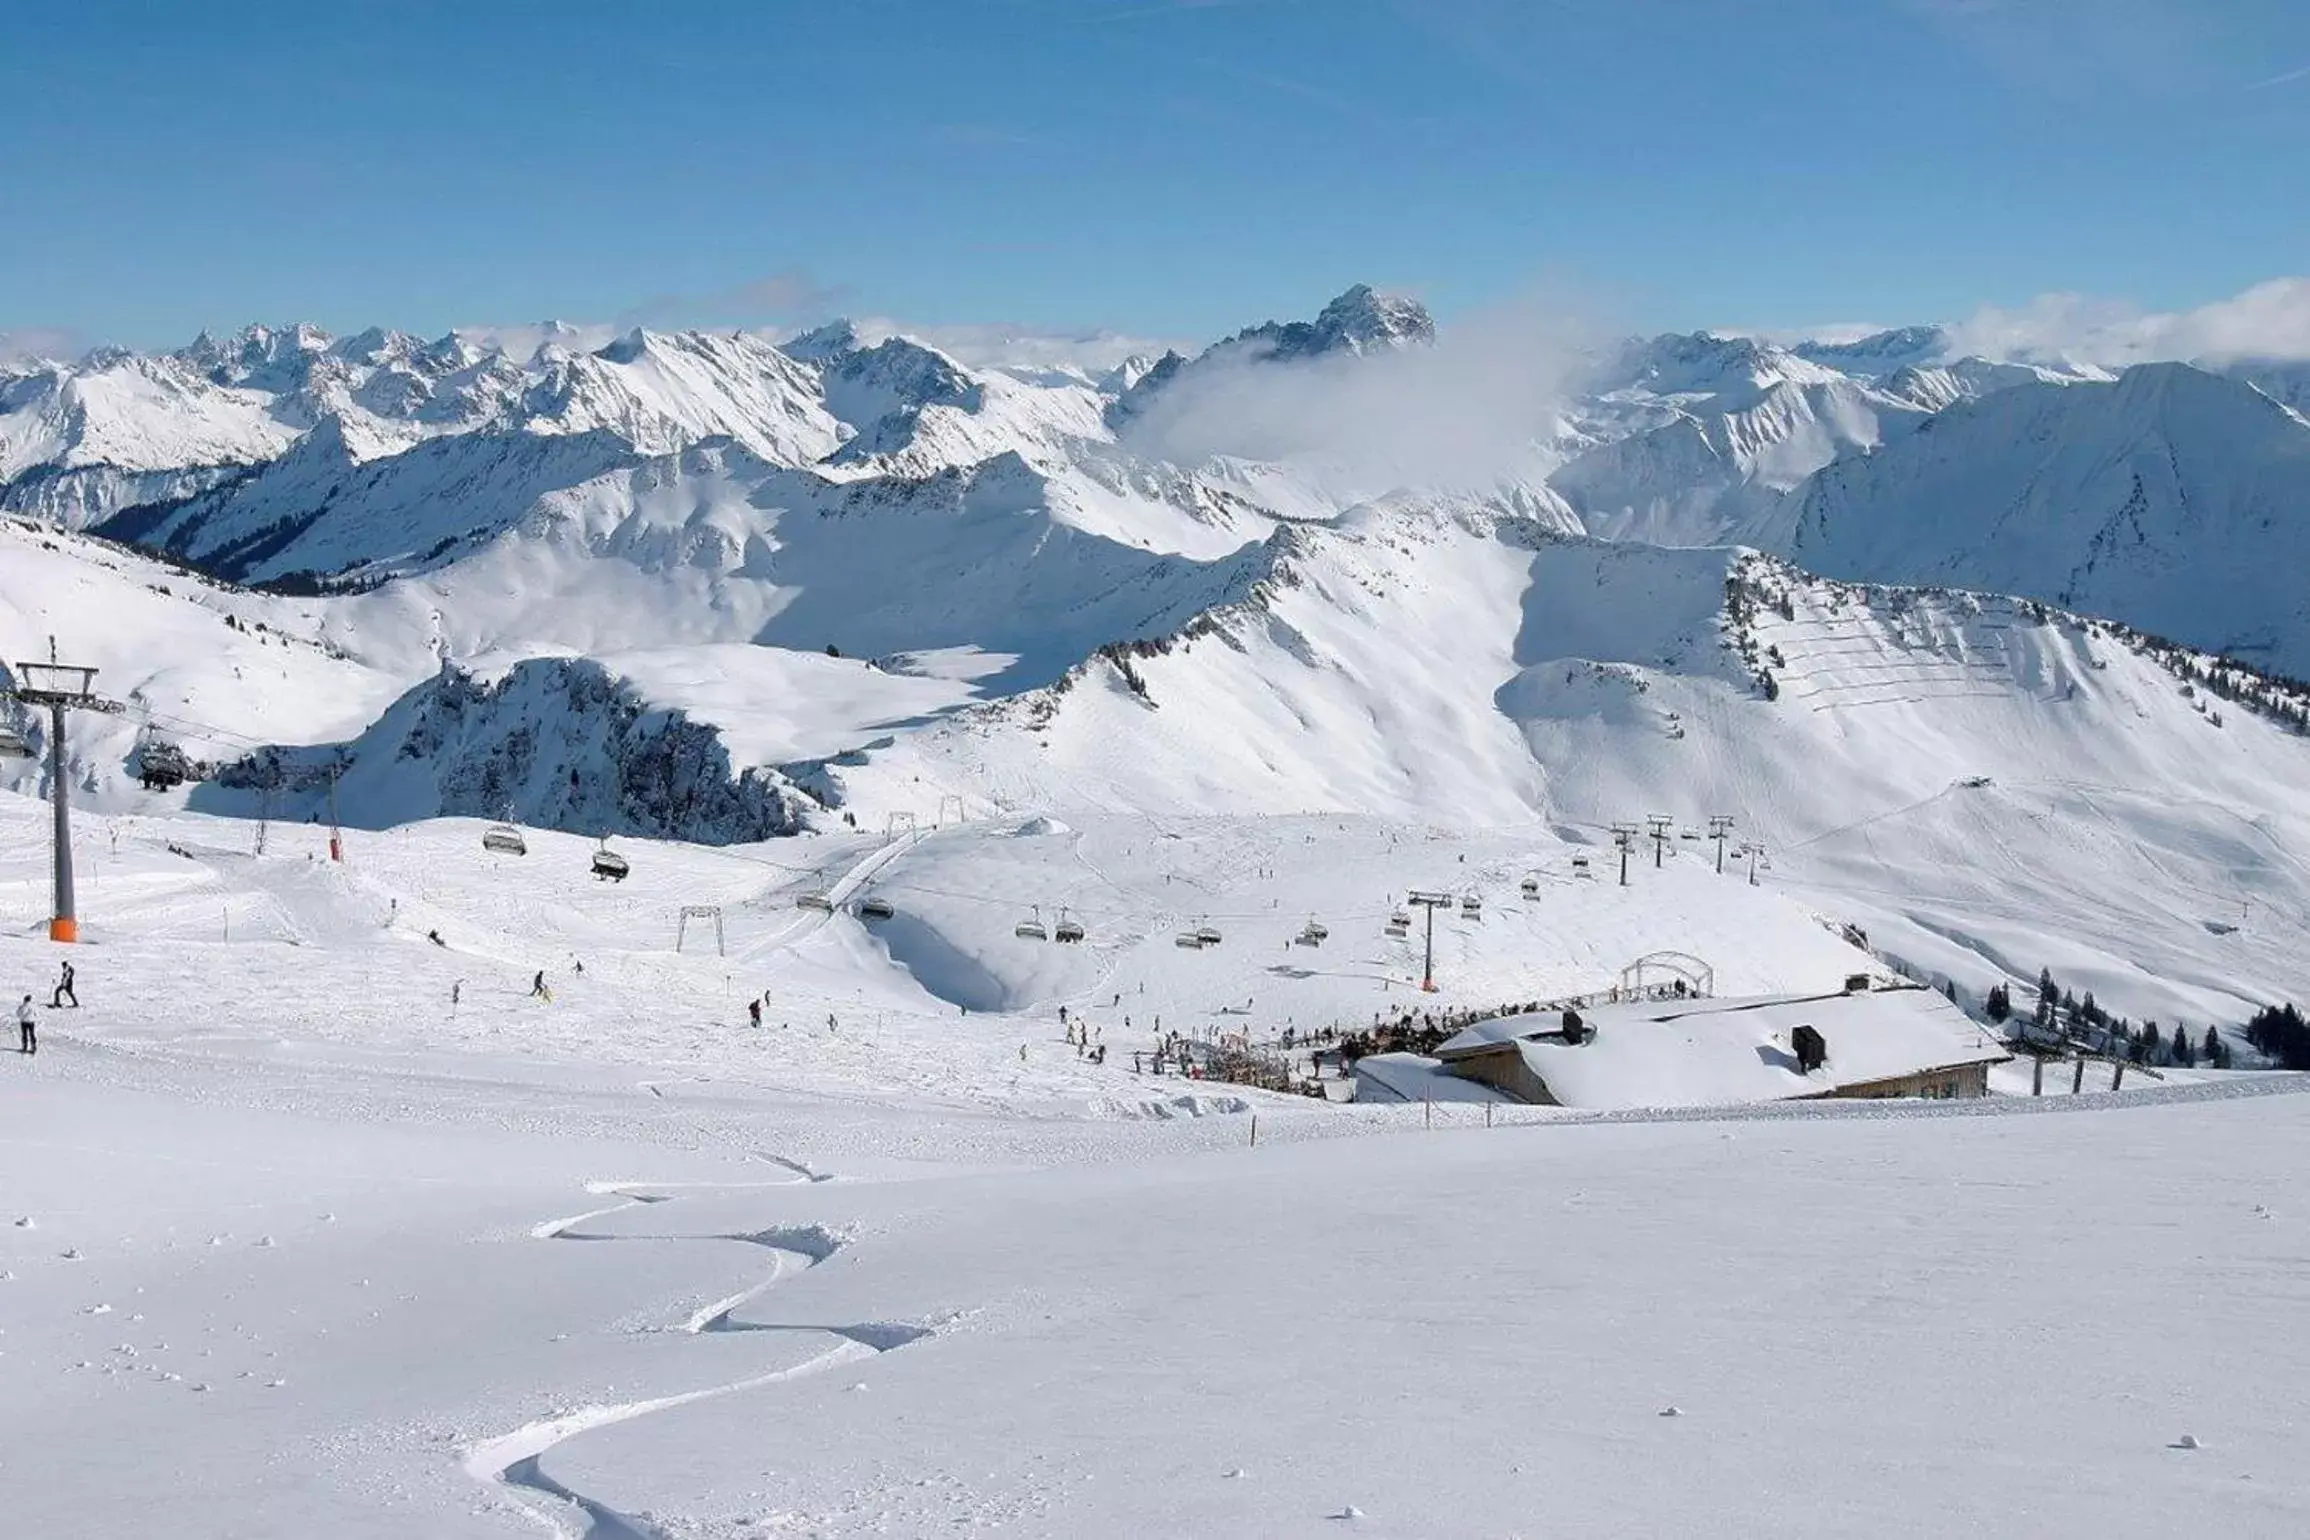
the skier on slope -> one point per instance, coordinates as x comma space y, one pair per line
64, 991
537, 989
27, 1028
754, 1012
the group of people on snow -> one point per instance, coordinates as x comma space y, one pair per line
28, 1023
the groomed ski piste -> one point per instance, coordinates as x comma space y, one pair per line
315, 1226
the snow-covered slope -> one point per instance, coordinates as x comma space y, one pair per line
213, 671
2171, 498
1483, 675
1710, 456
662, 391
132, 413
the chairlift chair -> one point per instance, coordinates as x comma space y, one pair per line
1207, 934
1032, 928
1471, 907
1188, 939
609, 866
875, 909
1069, 929
1530, 887
1580, 867
1313, 934
12, 744
818, 900
504, 839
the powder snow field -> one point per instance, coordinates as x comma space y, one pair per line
256, 1301
294, 1246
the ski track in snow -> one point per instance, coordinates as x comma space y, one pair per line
513, 1462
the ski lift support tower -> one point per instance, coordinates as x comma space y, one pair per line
61, 687
1431, 902
1623, 836
1659, 823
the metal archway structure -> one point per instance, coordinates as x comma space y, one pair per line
1655, 969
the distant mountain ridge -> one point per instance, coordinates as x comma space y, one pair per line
686, 466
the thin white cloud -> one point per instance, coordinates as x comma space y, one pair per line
2083, 49
2286, 79
2268, 321
788, 296
40, 344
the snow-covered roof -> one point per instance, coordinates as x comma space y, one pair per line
1696, 1053
1498, 1030
1410, 1077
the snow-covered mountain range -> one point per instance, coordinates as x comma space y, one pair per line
720, 587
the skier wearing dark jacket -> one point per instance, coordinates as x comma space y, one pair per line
64, 991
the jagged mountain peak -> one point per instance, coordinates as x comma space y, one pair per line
822, 343
1363, 317
1360, 320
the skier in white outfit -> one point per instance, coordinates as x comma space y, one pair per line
27, 1028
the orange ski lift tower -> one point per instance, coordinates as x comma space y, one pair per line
62, 688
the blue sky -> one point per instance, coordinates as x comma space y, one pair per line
1168, 169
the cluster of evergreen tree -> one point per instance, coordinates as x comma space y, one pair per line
1742, 600
2060, 1017
2275, 696
2280, 1032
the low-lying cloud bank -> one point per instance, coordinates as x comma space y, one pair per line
2271, 321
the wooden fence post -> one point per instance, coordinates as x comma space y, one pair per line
2078, 1083
2037, 1076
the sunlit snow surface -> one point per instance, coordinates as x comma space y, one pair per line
293, 1246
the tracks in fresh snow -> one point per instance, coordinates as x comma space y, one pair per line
513, 1462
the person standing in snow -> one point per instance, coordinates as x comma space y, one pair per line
537, 989
27, 1029
754, 1013
64, 991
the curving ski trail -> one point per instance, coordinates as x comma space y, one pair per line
512, 1462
